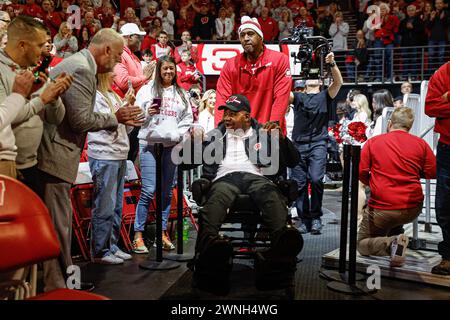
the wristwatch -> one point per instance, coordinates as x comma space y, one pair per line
333, 64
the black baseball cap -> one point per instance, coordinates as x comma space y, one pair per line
236, 102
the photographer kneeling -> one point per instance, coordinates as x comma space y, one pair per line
240, 169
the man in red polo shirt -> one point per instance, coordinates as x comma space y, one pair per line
393, 173
261, 74
268, 25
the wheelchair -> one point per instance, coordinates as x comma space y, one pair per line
245, 217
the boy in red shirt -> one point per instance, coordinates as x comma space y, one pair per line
187, 74
161, 48
393, 173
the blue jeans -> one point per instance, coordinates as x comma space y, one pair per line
443, 197
109, 178
311, 169
148, 175
435, 55
379, 59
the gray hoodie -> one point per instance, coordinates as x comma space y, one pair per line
21, 114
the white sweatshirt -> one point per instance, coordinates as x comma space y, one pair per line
106, 144
174, 120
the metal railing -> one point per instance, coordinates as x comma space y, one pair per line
392, 65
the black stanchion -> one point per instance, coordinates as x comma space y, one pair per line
159, 264
341, 274
350, 286
179, 256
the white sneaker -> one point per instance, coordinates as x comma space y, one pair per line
398, 250
108, 259
122, 255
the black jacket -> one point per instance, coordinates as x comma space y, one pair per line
262, 148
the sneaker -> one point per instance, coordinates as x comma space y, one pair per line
139, 246
108, 259
316, 226
398, 250
122, 255
442, 268
166, 243
302, 227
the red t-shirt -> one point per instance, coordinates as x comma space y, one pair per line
392, 164
269, 28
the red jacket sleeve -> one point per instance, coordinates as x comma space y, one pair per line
435, 105
122, 76
364, 164
223, 90
177, 57
282, 89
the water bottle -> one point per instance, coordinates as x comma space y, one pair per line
185, 230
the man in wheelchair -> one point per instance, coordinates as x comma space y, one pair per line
244, 168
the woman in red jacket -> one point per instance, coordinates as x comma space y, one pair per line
384, 42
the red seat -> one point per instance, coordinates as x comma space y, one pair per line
81, 198
27, 235
67, 294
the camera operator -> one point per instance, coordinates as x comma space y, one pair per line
310, 135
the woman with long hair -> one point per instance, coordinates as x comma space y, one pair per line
84, 38
207, 104
168, 117
361, 105
380, 100
107, 153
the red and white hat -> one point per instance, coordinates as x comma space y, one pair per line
250, 23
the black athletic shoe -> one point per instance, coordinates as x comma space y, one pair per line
275, 268
213, 266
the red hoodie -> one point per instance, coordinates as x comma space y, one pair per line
436, 106
267, 88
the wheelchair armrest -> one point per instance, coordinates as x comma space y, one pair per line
289, 188
200, 189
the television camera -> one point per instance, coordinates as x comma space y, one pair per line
311, 52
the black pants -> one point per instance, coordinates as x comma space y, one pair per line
224, 191
134, 144
310, 170
32, 178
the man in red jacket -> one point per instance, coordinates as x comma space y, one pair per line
437, 104
393, 173
261, 74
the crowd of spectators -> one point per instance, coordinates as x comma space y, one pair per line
392, 23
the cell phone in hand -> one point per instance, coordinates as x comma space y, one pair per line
157, 101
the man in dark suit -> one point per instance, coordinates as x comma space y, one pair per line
61, 146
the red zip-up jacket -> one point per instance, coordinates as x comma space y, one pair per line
185, 75
267, 88
436, 106
393, 171
129, 68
